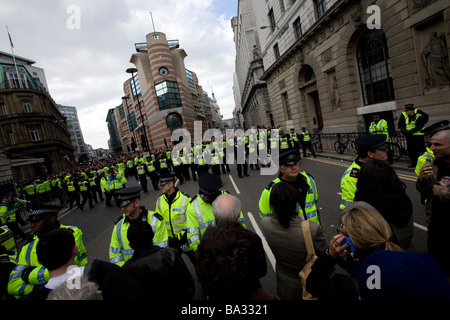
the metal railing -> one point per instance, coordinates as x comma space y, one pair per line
326, 142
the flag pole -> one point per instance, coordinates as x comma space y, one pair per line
14, 58
151, 16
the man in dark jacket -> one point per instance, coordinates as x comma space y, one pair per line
56, 251
161, 271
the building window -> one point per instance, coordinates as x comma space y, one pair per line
132, 123
276, 51
272, 20
374, 68
34, 133
190, 78
136, 87
168, 95
4, 110
11, 137
320, 7
121, 112
174, 121
26, 107
309, 74
14, 82
288, 106
298, 28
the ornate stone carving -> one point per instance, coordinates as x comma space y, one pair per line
435, 57
256, 55
335, 95
326, 56
355, 14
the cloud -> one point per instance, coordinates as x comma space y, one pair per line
85, 67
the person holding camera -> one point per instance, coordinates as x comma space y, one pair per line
363, 232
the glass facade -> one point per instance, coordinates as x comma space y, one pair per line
132, 123
190, 78
168, 95
136, 87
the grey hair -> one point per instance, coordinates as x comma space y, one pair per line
87, 290
226, 207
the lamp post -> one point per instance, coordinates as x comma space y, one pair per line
132, 71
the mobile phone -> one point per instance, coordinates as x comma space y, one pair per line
429, 161
350, 249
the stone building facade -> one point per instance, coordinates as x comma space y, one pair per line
164, 92
33, 132
330, 65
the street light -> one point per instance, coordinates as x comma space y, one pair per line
132, 71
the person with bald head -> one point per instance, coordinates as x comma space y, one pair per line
226, 207
434, 184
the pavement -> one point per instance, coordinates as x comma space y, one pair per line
401, 164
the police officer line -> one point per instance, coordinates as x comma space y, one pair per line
255, 225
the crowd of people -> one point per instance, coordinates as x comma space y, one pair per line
147, 247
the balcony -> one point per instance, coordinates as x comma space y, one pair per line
143, 46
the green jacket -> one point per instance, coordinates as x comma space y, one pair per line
119, 248
348, 184
311, 200
174, 214
29, 272
199, 217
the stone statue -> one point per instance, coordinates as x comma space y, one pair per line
256, 55
336, 97
435, 57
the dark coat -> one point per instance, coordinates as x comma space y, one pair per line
113, 282
162, 272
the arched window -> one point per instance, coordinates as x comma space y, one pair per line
375, 68
309, 73
174, 121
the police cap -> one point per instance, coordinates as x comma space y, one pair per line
436, 127
289, 158
38, 212
163, 179
372, 142
126, 195
409, 106
210, 181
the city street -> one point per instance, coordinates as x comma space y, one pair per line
97, 223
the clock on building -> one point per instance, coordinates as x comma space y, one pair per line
163, 71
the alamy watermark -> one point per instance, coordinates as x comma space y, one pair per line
236, 146
374, 20
73, 21
374, 280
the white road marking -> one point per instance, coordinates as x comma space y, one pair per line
267, 249
234, 185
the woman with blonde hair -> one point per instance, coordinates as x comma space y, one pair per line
363, 232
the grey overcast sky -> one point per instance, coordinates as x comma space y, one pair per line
85, 55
